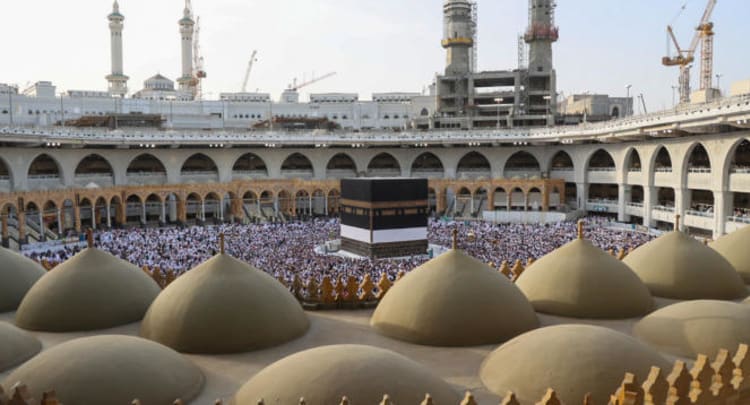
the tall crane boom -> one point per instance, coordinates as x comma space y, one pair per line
199, 72
249, 69
295, 86
684, 58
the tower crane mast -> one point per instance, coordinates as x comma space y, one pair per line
685, 57
294, 86
199, 72
249, 69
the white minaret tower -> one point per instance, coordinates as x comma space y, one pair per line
118, 82
187, 29
458, 36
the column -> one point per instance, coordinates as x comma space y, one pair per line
5, 236
471, 205
96, 215
42, 234
545, 198
77, 217
109, 217
21, 227
722, 199
325, 203
276, 205
491, 199
582, 191
121, 216
203, 210
649, 197
310, 205
181, 214
681, 201
526, 196
59, 222
509, 201
221, 210
621, 200
143, 213
163, 218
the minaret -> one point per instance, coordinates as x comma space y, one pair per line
458, 36
118, 82
187, 26
540, 35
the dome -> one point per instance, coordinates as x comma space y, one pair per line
17, 275
680, 267
734, 248
454, 300
579, 280
696, 327
203, 304
92, 290
363, 374
110, 370
16, 346
572, 359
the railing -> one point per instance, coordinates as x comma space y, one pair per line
634, 170
664, 208
599, 201
741, 170
146, 178
242, 174
635, 204
743, 220
601, 169
562, 169
699, 170
663, 170
697, 213
297, 173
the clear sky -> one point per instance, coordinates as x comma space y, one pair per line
374, 45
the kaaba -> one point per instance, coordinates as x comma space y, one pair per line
384, 217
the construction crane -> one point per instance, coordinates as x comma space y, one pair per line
199, 72
294, 86
684, 58
249, 69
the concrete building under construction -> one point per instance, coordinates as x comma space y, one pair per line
523, 97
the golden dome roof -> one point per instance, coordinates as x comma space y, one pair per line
16, 346
92, 290
363, 374
454, 300
110, 370
680, 267
572, 359
696, 327
579, 280
224, 306
734, 248
17, 275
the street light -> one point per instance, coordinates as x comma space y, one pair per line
498, 101
718, 81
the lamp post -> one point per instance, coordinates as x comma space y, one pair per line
718, 81
498, 101
674, 95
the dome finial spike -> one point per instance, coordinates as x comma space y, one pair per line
90, 238
455, 239
677, 223
580, 229
221, 243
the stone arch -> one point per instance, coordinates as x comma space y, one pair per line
249, 166
44, 172
193, 203
199, 168
472, 165
738, 158
522, 164
341, 165
334, 197
212, 206
662, 160
302, 203
697, 159
561, 161
6, 176
153, 203
285, 202
96, 169
146, 169
601, 160
297, 165
633, 161
134, 209
427, 165
534, 199
383, 164
517, 199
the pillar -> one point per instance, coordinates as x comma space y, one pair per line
276, 205
5, 235
181, 211
545, 198
21, 227
163, 217
203, 210
649, 198
59, 222
681, 201
96, 215
325, 204
42, 233
621, 200
582, 191
144, 219
221, 210
722, 201
491, 198
309, 205
109, 216
509, 201
77, 217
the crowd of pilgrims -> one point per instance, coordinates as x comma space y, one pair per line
287, 249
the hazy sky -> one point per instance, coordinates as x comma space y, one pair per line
374, 45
